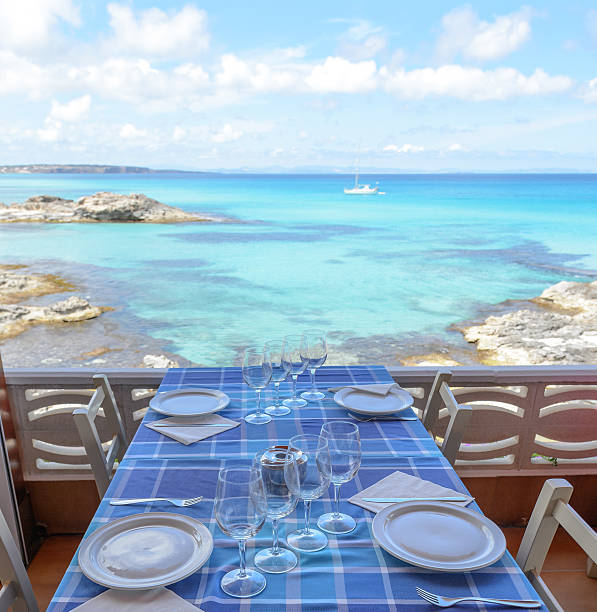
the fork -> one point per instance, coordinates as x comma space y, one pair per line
181, 503
446, 602
382, 418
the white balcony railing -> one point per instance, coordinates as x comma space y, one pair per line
538, 420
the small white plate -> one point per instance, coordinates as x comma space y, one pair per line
370, 403
439, 536
189, 402
143, 551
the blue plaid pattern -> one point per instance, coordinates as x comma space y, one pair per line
352, 573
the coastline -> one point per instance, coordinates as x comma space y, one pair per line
560, 327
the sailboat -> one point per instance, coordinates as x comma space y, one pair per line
361, 189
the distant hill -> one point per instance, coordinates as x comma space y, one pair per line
73, 169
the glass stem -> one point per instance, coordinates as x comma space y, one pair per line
258, 391
277, 385
294, 379
336, 499
243, 565
307, 515
275, 547
312, 370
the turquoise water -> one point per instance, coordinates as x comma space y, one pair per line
435, 250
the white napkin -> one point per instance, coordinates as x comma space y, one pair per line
376, 389
192, 429
156, 600
400, 484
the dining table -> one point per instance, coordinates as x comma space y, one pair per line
353, 572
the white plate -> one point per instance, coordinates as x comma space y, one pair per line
143, 551
370, 403
189, 402
439, 536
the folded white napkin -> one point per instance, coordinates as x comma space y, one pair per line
376, 389
156, 600
192, 429
400, 484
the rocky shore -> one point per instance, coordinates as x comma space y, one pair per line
558, 327
101, 207
64, 333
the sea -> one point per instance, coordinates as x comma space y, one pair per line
387, 276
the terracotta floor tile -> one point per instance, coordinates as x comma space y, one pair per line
48, 566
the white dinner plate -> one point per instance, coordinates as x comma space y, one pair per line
189, 402
439, 536
370, 403
143, 551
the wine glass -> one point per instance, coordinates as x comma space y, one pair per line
344, 443
257, 372
314, 352
240, 510
280, 370
280, 502
291, 358
307, 471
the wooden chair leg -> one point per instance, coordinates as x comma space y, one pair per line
591, 568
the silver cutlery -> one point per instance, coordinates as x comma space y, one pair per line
446, 602
181, 503
389, 500
382, 418
158, 424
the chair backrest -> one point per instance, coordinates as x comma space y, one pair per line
552, 510
102, 463
16, 592
441, 396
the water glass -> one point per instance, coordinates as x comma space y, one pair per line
280, 502
291, 357
344, 443
257, 372
307, 471
314, 352
280, 371
240, 512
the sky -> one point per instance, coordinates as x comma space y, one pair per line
427, 86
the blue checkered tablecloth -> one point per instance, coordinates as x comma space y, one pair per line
352, 573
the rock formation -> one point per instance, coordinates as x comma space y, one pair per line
558, 327
100, 207
15, 318
15, 286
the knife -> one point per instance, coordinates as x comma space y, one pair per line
191, 424
388, 500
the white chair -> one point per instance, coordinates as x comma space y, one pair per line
550, 511
102, 462
441, 396
16, 592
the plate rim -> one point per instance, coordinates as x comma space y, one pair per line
156, 400
499, 538
83, 554
340, 395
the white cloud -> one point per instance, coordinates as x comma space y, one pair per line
129, 132
235, 73
474, 84
178, 134
589, 93
75, 110
226, 134
51, 132
463, 32
158, 34
337, 74
405, 148
456, 147
362, 41
29, 24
